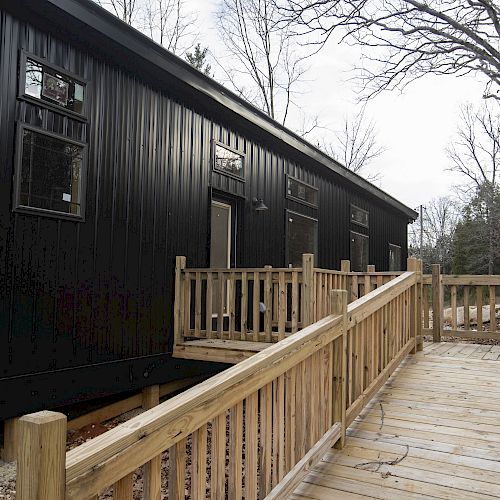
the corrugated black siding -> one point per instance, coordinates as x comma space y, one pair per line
83, 293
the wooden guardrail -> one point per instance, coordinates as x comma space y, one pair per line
252, 430
261, 304
465, 306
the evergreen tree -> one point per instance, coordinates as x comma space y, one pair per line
198, 59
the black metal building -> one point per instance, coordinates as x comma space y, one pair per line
116, 156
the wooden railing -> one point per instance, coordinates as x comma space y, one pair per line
251, 431
261, 304
461, 306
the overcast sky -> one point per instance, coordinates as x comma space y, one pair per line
414, 126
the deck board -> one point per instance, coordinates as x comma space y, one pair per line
432, 431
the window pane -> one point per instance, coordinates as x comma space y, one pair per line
46, 84
394, 258
359, 216
228, 161
301, 236
51, 171
301, 191
359, 252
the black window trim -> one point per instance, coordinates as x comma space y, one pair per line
316, 238
17, 207
215, 143
298, 200
357, 222
83, 117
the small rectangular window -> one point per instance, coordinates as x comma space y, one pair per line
301, 237
50, 173
300, 191
359, 251
394, 257
229, 161
53, 86
359, 216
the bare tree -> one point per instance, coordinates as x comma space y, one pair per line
440, 217
356, 145
126, 10
168, 23
406, 39
265, 66
475, 153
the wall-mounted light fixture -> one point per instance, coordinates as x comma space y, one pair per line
259, 205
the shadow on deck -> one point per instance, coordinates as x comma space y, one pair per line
431, 432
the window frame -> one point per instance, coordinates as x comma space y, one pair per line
83, 117
367, 225
367, 237
24, 209
298, 200
400, 256
289, 212
216, 143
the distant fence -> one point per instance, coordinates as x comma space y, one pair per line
471, 301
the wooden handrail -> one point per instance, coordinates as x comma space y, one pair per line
97, 463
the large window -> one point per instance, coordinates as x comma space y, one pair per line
50, 173
301, 237
394, 257
52, 86
229, 161
300, 191
359, 251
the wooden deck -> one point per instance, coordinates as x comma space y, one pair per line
432, 432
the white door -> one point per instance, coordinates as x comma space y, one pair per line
220, 244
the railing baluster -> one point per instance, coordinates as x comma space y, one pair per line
256, 306
479, 310
244, 305
251, 446
268, 302
281, 305
123, 489
187, 304
290, 419
493, 322
220, 305
177, 470
209, 306
266, 431
231, 306
466, 308
218, 476
453, 300
197, 305
295, 301
235, 451
199, 463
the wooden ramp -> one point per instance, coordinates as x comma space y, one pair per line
433, 431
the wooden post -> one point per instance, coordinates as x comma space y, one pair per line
10, 439
420, 296
412, 266
41, 464
308, 302
437, 304
180, 265
338, 301
368, 279
152, 470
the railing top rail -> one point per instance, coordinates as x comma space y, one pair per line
161, 427
330, 271
230, 270
360, 309
465, 279
375, 273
